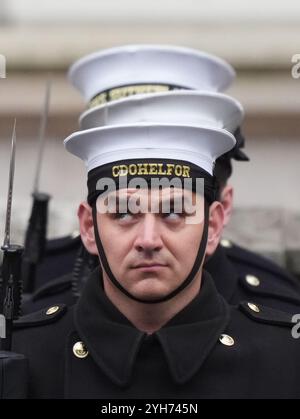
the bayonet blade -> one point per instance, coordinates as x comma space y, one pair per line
6, 242
10, 281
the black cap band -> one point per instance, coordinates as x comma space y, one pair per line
149, 169
120, 92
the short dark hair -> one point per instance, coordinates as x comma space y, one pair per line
222, 172
223, 166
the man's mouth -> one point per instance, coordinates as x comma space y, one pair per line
148, 267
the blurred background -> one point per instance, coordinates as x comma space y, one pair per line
40, 39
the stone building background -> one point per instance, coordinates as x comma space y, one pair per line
41, 39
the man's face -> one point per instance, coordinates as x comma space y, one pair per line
151, 252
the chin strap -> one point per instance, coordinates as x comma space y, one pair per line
187, 281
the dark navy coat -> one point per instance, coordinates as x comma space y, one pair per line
208, 350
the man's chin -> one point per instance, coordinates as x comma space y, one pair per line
150, 289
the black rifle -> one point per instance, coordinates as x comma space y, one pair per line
36, 233
10, 281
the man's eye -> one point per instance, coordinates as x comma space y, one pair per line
173, 216
124, 216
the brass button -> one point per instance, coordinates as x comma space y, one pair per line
254, 307
227, 340
52, 310
252, 280
79, 350
226, 243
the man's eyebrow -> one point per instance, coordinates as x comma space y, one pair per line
175, 196
171, 198
123, 199
170, 202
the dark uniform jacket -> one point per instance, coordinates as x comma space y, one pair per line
208, 350
59, 259
238, 274
243, 275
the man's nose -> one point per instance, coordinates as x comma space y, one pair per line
148, 236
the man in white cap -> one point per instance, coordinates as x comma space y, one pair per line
106, 77
183, 85
152, 83
150, 322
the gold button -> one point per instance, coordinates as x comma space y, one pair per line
52, 310
226, 243
254, 307
226, 340
252, 280
80, 350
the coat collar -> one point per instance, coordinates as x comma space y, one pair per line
114, 342
224, 273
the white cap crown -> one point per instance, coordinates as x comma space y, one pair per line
214, 110
150, 64
197, 145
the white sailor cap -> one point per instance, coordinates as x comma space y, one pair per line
206, 109
199, 146
133, 69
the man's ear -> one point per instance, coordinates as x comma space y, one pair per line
215, 227
227, 202
87, 228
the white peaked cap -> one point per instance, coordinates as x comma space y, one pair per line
196, 145
150, 64
213, 110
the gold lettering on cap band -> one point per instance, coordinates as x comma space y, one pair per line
161, 171
98, 100
178, 170
144, 169
123, 170
152, 169
170, 168
186, 171
121, 92
133, 169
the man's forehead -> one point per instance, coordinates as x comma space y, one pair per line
157, 192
